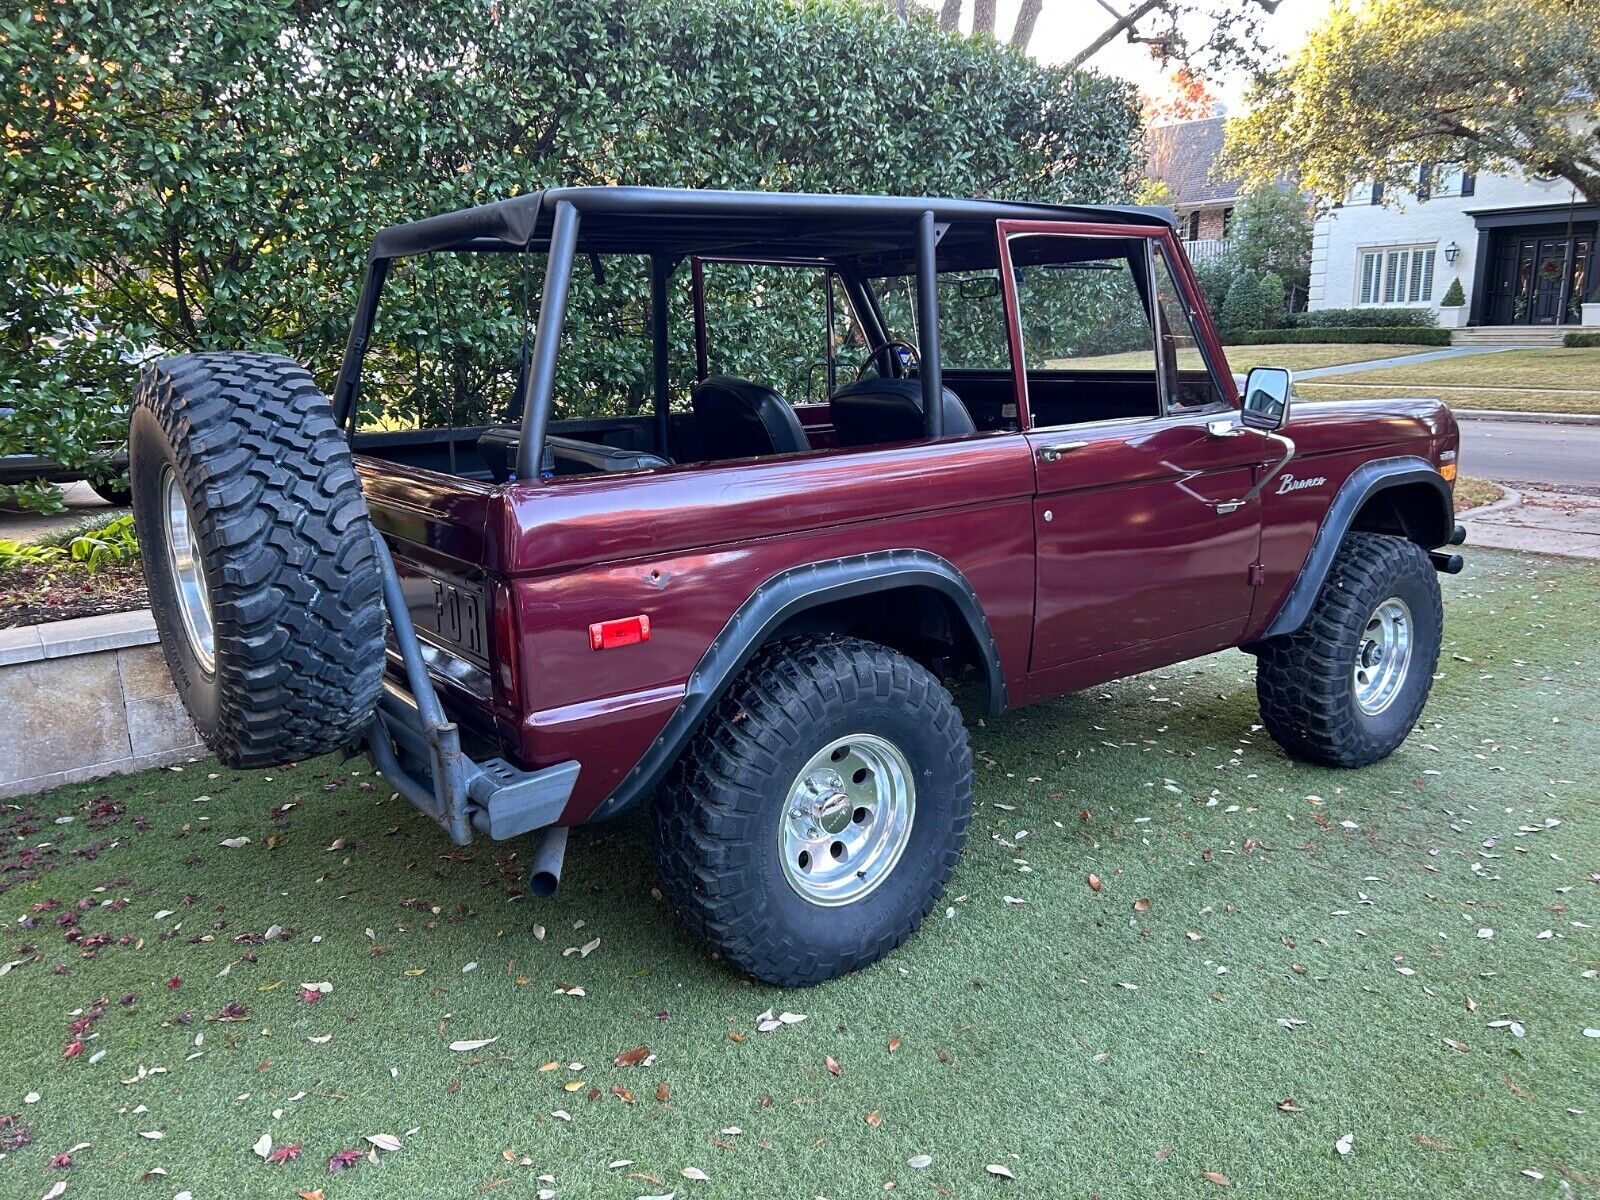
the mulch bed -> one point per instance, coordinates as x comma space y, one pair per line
36, 593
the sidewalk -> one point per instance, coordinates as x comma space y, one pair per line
1404, 360
1538, 520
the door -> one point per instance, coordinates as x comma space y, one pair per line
1549, 277
1143, 558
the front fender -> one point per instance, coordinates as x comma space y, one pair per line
1365, 482
777, 601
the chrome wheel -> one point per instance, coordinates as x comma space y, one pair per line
847, 819
1383, 656
188, 578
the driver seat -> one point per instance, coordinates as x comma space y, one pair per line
736, 418
873, 412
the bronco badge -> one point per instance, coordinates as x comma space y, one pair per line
1288, 483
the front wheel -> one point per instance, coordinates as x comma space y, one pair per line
1346, 688
819, 812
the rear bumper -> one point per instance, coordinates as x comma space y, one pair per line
418, 750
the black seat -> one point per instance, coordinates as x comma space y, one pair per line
739, 419
873, 411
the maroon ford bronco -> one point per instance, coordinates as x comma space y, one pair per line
1002, 445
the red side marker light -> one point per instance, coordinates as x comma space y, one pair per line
626, 631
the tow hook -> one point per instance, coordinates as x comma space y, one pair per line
544, 873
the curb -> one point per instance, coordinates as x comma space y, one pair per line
1531, 418
1511, 499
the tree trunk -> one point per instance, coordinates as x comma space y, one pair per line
983, 17
1027, 16
950, 15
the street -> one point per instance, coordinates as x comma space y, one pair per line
1562, 456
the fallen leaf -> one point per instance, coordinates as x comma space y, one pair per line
263, 1146
632, 1058
920, 1162
384, 1141
1430, 1143
1216, 1177
833, 1066
1004, 1172
234, 843
1287, 1105
894, 1044
1345, 1145
313, 1194
1141, 905
695, 1173
477, 1044
1094, 886
874, 1118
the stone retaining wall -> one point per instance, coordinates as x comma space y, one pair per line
85, 698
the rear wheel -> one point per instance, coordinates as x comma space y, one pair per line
258, 555
819, 812
1346, 688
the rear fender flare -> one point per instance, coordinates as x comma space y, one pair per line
1364, 483
778, 601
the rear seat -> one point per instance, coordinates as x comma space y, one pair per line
562, 456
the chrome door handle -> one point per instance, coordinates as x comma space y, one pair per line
1224, 507
1055, 450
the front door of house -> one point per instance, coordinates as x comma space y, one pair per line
1549, 274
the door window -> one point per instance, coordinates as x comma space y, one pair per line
1190, 382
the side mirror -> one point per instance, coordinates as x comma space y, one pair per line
978, 287
1266, 397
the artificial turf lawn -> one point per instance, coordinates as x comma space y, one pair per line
1019, 1043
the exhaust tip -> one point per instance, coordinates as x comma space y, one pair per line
544, 871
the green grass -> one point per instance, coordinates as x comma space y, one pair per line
1313, 354
1018, 1043
1457, 397
1515, 370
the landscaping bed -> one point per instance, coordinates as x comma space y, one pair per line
1268, 957
86, 571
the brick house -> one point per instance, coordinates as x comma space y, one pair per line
1183, 155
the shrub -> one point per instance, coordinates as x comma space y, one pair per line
1367, 318
1246, 305
207, 174
1402, 335
1579, 341
1272, 233
1215, 276
1454, 297
1275, 296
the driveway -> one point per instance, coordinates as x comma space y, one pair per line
82, 505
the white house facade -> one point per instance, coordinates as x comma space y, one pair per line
1524, 250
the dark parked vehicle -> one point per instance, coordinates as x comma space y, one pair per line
28, 467
1024, 463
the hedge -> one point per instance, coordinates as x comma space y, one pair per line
204, 174
1364, 318
1400, 334
1580, 341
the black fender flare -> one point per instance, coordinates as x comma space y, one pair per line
1365, 482
778, 600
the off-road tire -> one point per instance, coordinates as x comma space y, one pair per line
1304, 680
284, 545
716, 816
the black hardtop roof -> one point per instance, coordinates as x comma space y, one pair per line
650, 220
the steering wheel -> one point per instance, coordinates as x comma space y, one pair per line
891, 344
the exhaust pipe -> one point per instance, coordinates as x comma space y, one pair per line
544, 875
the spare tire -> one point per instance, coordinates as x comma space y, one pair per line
258, 554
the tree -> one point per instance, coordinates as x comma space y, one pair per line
1272, 232
1501, 85
203, 174
1246, 305
1229, 33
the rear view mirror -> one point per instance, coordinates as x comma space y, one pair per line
1266, 397
979, 287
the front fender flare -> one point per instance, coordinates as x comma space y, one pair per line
775, 602
1365, 482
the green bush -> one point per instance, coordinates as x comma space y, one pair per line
1367, 318
1454, 296
1400, 334
1275, 295
1246, 304
1580, 341
207, 174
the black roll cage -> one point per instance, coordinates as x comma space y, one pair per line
891, 234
